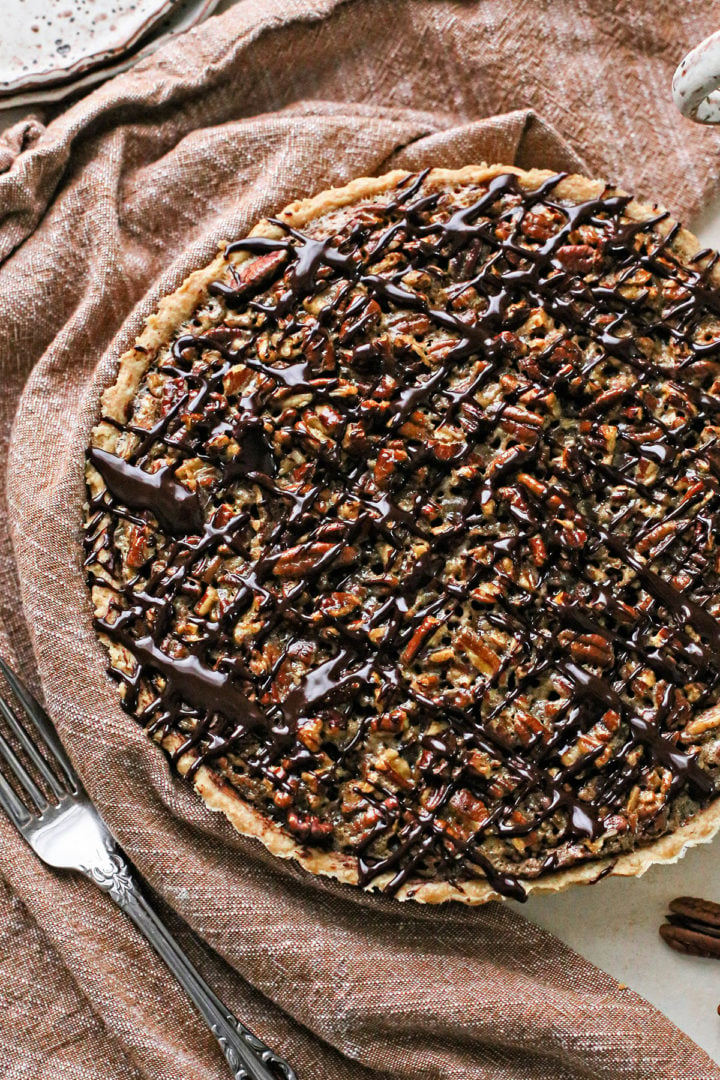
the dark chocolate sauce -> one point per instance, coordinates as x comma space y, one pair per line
210, 686
177, 509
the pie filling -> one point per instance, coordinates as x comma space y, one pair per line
410, 532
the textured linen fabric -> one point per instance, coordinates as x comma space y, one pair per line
102, 212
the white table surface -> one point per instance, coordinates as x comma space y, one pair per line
615, 922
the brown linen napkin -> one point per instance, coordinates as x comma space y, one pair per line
111, 206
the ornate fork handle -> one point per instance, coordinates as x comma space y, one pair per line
246, 1054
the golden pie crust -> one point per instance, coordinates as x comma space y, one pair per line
217, 793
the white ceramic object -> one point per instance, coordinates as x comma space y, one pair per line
46, 41
183, 15
696, 83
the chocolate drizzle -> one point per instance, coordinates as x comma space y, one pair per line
542, 513
177, 509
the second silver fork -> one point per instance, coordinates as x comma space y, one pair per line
66, 831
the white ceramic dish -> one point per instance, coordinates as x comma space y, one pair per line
183, 15
44, 41
696, 83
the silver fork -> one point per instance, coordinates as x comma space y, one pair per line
67, 832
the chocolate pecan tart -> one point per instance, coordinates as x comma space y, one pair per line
401, 533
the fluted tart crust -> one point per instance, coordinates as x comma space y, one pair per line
401, 533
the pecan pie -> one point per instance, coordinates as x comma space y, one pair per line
401, 533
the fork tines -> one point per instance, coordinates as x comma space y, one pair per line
36, 742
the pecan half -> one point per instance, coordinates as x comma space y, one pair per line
693, 927
691, 942
691, 907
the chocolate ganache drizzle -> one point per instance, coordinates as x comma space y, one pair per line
414, 542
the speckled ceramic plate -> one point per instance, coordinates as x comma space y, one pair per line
45, 41
183, 15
